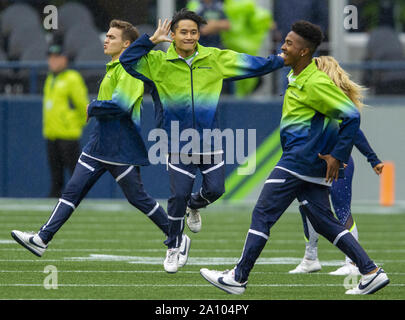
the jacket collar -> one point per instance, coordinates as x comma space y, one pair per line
171, 53
304, 75
112, 64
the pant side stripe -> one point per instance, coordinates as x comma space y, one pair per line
68, 203
213, 168
53, 213
86, 165
122, 175
339, 236
275, 181
181, 171
258, 233
175, 218
153, 210
203, 196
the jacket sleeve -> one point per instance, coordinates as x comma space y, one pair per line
127, 93
361, 143
326, 98
137, 59
236, 66
78, 96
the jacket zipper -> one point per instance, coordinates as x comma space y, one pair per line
192, 94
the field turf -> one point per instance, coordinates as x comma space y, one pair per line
107, 250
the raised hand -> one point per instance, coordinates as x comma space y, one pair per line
162, 32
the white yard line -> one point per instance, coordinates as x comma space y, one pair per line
200, 261
164, 272
216, 241
181, 285
163, 250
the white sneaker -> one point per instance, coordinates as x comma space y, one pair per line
193, 219
370, 283
183, 250
346, 270
30, 241
171, 262
224, 280
307, 266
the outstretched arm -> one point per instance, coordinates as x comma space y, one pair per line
362, 144
237, 66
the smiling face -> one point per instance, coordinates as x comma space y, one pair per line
114, 45
294, 49
185, 37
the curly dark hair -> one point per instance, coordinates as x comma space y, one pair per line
185, 14
312, 33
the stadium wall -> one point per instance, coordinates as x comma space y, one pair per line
24, 168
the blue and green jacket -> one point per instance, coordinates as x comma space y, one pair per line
186, 93
317, 117
116, 136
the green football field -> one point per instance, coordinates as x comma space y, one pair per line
107, 250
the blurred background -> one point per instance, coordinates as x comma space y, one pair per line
366, 37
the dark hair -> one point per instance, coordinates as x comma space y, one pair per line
185, 14
129, 32
312, 33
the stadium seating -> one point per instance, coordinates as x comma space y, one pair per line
79, 36
72, 14
23, 39
17, 16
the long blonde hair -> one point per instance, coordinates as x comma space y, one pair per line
341, 78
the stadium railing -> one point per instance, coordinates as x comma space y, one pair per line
35, 67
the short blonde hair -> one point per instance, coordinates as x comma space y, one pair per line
341, 78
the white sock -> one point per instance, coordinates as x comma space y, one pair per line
311, 246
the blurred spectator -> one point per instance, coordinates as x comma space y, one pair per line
64, 116
384, 45
250, 25
213, 13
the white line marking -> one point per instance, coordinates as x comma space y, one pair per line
181, 285
162, 271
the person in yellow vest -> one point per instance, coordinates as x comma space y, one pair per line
64, 116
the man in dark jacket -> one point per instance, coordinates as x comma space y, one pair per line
115, 145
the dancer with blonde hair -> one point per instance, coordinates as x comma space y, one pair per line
341, 190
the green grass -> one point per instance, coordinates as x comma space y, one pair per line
124, 235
